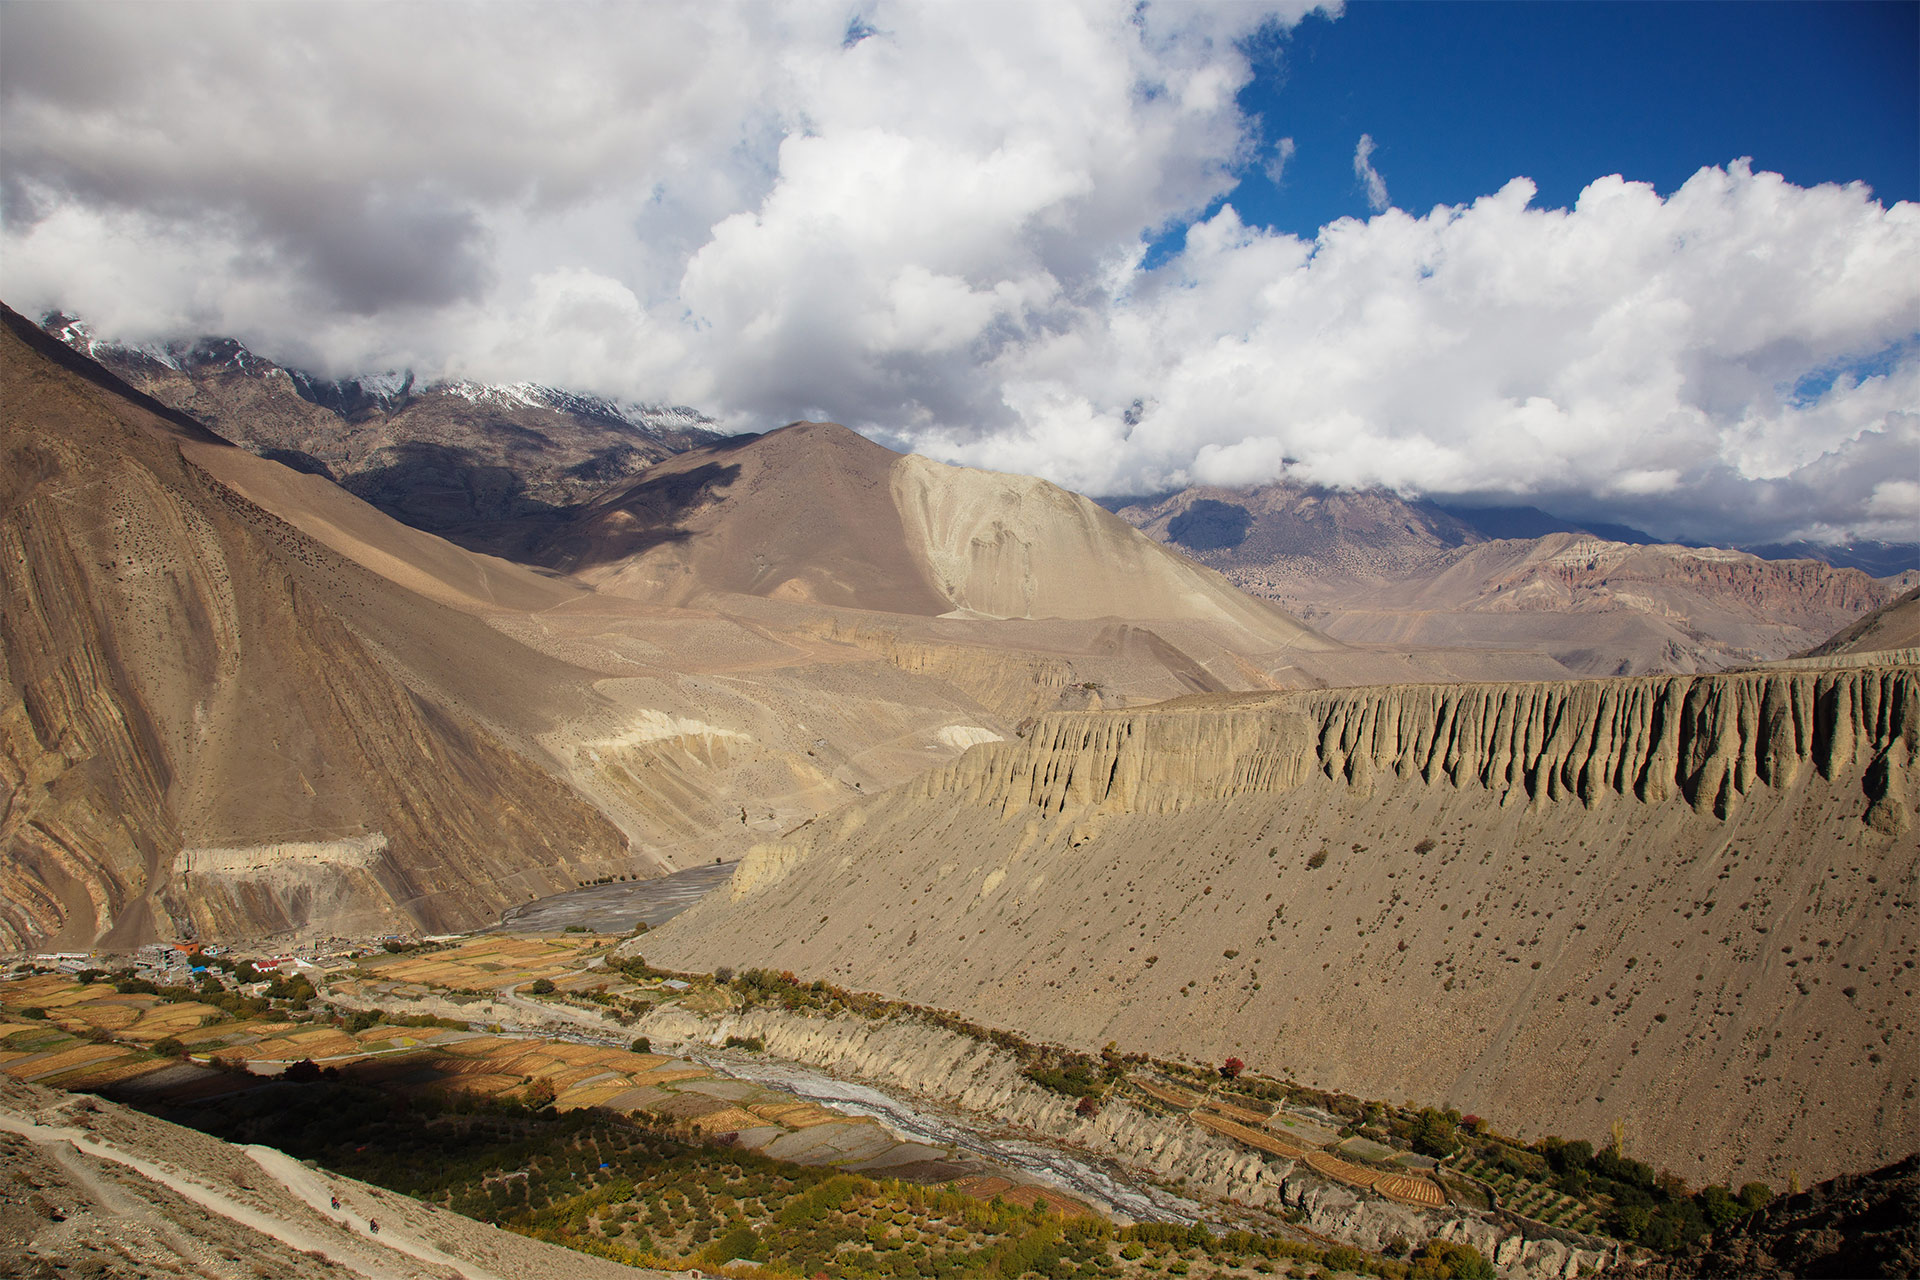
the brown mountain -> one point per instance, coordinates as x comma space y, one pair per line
271, 749
196, 741
1372, 568
1674, 901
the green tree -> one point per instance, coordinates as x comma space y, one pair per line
1435, 1132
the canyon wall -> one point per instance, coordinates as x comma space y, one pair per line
1683, 903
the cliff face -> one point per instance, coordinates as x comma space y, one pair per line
191, 740
1707, 739
1682, 902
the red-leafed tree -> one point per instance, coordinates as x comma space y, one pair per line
1232, 1068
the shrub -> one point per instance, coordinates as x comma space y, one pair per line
541, 987
169, 1048
1318, 860
1445, 1260
642, 1045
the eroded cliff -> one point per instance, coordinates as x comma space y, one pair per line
1686, 903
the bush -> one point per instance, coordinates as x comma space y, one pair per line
1444, 1260
752, 1044
642, 1045
169, 1048
1231, 1068
541, 987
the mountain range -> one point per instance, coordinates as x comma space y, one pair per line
976, 742
1372, 567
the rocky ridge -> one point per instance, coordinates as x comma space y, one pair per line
455, 457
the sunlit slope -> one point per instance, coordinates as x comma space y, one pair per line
192, 739
1680, 902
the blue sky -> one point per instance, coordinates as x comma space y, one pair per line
934, 233
1458, 98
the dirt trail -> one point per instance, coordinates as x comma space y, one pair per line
323, 1239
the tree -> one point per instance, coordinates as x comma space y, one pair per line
540, 1094
541, 987
1434, 1133
642, 1045
1231, 1068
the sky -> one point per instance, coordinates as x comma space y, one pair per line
1651, 263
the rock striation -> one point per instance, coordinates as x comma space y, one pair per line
172, 687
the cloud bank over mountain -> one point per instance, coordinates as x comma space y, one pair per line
932, 223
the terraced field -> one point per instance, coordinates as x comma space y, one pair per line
1533, 1199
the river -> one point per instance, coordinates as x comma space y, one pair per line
616, 908
1101, 1186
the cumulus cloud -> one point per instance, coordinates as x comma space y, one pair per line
930, 222
1369, 177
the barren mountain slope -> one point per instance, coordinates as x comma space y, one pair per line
691, 730
815, 515
1895, 625
194, 739
1372, 568
1685, 902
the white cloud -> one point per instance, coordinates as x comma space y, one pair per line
1277, 163
935, 234
1370, 180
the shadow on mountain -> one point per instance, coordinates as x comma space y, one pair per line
443, 489
301, 461
635, 521
1210, 525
